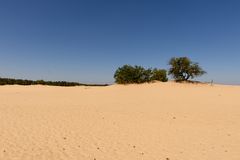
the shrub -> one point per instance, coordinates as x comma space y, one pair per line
136, 74
182, 68
159, 75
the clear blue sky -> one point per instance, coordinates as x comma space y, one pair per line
88, 40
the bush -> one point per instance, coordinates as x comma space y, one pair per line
182, 68
159, 75
136, 74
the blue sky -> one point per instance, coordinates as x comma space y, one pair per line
88, 40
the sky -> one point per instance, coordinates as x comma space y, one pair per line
87, 40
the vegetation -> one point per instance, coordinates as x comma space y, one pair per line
136, 74
182, 68
11, 81
159, 75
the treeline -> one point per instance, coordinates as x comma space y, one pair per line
11, 81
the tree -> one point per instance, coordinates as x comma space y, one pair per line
159, 75
182, 68
130, 74
136, 74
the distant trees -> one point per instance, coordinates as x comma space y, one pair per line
182, 68
11, 81
136, 74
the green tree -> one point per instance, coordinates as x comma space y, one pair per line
159, 75
182, 68
136, 74
130, 74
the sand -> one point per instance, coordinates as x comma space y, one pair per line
159, 121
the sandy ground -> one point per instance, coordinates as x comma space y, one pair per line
160, 121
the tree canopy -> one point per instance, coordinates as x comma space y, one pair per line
182, 69
137, 74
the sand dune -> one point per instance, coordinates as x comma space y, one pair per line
160, 121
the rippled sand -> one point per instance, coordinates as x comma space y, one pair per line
160, 121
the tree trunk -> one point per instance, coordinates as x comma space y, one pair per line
187, 77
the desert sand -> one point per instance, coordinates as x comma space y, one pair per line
159, 121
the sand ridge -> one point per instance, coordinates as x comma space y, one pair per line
149, 121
